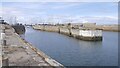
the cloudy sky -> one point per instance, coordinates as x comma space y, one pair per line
62, 12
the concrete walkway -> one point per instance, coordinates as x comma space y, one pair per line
21, 53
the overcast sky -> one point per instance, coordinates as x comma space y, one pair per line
76, 12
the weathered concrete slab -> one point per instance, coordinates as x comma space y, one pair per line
21, 53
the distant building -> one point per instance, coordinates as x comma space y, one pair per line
1, 20
76, 25
89, 25
81, 25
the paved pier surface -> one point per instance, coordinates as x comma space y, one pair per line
21, 53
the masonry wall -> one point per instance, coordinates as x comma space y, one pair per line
90, 33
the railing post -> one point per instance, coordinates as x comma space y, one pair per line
4, 57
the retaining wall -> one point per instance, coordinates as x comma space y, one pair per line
90, 35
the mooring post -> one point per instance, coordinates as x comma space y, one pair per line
5, 60
4, 42
58, 29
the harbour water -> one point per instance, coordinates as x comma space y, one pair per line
72, 52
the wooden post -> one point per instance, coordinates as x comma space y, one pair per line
69, 28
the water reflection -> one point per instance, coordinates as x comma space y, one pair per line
73, 52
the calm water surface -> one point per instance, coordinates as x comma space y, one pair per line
72, 52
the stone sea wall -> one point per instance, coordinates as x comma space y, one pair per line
69, 32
